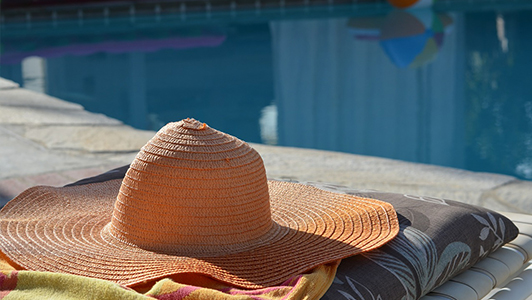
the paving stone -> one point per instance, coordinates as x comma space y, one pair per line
363, 172
20, 157
356, 170
44, 140
9, 188
516, 196
7, 84
27, 98
495, 204
90, 138
43, 116
50, 179
78, 174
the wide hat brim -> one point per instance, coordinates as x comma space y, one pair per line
63, 230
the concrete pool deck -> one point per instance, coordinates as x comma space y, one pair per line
47, 141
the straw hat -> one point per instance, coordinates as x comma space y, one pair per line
194, 200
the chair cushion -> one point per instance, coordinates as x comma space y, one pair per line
438, 239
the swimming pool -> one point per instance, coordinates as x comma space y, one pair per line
449, 86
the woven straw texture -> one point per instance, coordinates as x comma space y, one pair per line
194, 200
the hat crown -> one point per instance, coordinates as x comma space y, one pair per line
192, 188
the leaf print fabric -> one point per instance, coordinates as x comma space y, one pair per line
497, 228
438, 239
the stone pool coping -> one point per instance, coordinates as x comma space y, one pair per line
48, 141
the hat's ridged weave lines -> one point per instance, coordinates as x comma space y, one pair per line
221, 141
216, 165
39, 228
167, 176
136, 176
183, 211
201, 149
146, 156
193, 139
310, 226
328, 207
220, 196
143, 171
143, 234
196, 239
25, 238
214, 154
183, 130
64, 248
237, 224
180, 231
31, 230
219, 201
239, 180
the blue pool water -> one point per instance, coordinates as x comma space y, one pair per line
443, 86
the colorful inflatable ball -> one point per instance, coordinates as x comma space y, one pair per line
409, 4
410, 38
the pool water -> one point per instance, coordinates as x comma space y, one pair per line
438, 86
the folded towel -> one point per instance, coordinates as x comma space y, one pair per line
21, 284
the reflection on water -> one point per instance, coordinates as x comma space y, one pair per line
347, 94
446, 88
409, 38
268, 125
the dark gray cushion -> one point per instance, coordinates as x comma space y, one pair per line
438, 239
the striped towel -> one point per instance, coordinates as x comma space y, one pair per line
20, 284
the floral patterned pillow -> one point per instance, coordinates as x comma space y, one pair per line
437, 240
